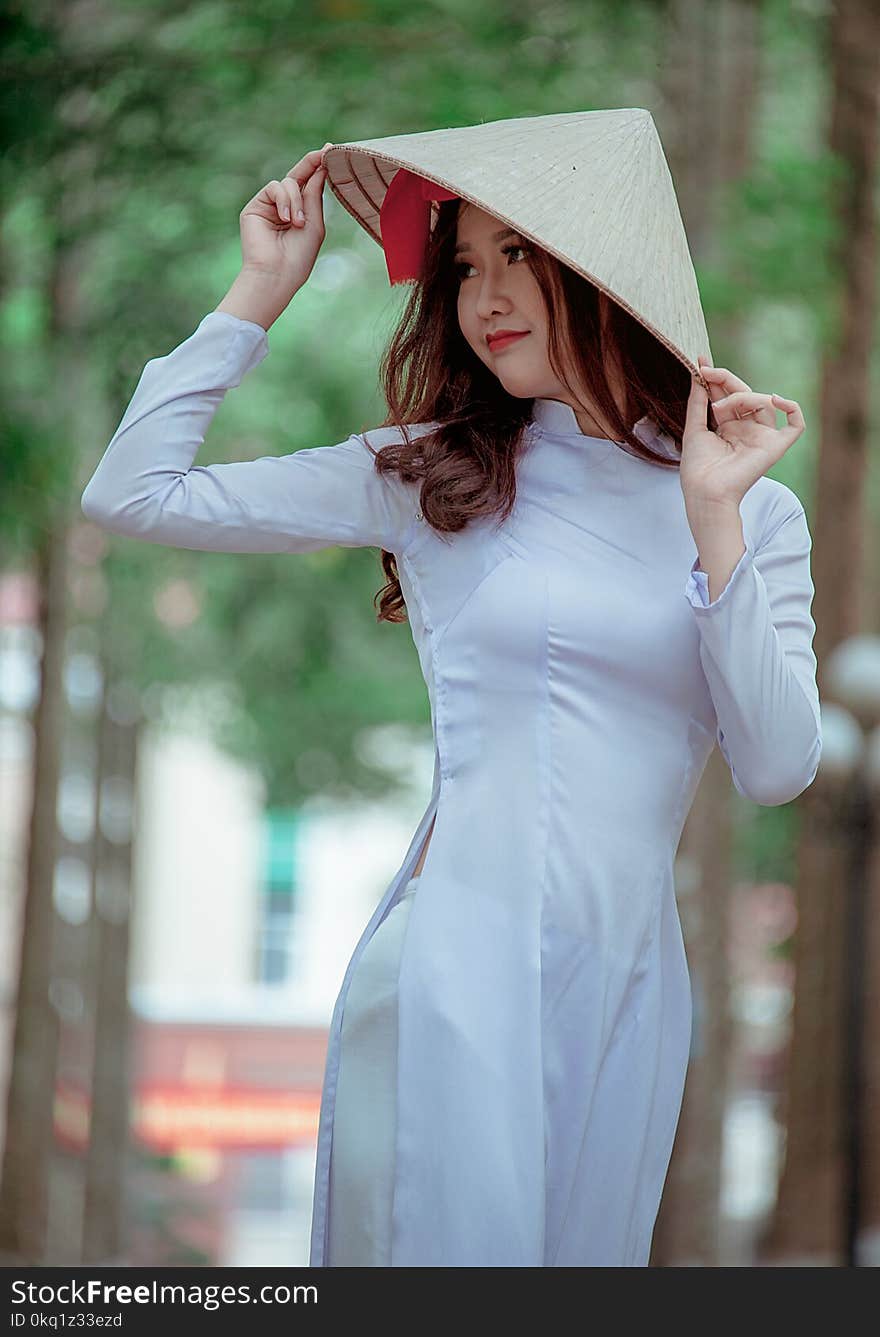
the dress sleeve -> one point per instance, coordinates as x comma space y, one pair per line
147, 487
756, 648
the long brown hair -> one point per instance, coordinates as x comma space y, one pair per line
429, 373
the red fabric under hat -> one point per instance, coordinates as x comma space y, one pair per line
405, 223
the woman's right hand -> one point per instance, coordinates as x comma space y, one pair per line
273, 240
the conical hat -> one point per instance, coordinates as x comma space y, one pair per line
591, 187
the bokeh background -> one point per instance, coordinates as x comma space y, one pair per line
212, 764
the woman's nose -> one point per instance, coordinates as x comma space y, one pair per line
492, 298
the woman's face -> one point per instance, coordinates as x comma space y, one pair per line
498, 290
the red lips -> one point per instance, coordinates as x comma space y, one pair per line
499, 337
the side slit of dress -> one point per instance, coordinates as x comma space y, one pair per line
364, 1124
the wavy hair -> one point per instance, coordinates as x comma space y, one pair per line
430, 374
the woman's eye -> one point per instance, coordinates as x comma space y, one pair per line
462, 265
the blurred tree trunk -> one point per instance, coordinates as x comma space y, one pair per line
713, 148
29, 1148
809, 1220
106, 1163
29, 1111
687, 1232
869, 1239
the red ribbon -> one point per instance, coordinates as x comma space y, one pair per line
405, 223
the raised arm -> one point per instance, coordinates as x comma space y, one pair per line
146, 485
756, 648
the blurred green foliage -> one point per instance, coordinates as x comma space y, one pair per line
135, 133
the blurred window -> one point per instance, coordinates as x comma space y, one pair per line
278, 898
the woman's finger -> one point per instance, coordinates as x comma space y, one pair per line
297, 179
306, 165
744, 400
743, 405
791, 408
302, 170
721, 378
295, 198
278, 195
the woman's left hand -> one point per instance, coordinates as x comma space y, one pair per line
721, 466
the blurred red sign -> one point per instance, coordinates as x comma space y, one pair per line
170, 1118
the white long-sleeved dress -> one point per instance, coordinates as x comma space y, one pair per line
578, 679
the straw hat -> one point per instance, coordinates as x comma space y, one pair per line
591, 187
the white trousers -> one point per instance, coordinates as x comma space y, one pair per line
364, 1123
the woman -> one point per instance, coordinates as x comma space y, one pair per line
600, 586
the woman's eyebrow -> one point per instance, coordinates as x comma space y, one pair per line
496, 236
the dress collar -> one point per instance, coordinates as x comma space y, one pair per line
555, 418
559, 419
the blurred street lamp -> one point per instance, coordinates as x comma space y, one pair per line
851, 749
